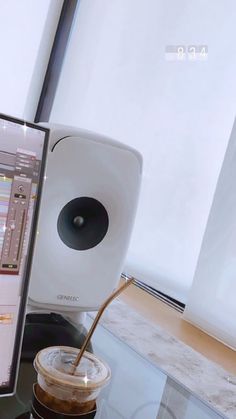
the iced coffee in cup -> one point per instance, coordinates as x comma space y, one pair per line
60, 391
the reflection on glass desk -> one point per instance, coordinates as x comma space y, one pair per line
138, 389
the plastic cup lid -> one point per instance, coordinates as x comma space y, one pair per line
55, 364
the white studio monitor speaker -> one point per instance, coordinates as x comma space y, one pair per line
87, 212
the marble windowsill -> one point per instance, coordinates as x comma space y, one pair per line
204, 378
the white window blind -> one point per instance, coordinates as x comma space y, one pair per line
211, 304
27, 30
116, 80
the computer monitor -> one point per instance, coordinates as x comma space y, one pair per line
23, 149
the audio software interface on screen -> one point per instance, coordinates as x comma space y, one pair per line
22, 147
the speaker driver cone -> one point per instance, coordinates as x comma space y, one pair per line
82, 223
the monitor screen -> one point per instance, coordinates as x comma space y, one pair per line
23, 149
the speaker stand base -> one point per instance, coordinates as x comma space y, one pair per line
43, 330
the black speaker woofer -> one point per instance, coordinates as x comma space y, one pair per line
82, 223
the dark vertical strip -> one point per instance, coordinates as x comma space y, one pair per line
56, 60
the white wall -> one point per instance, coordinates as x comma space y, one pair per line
27, 30
116, 81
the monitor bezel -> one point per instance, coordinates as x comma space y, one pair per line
10, 389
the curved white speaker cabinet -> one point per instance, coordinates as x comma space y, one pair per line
87, 212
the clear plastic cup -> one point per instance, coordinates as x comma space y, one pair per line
62, 392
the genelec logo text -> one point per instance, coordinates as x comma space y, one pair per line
67, 297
